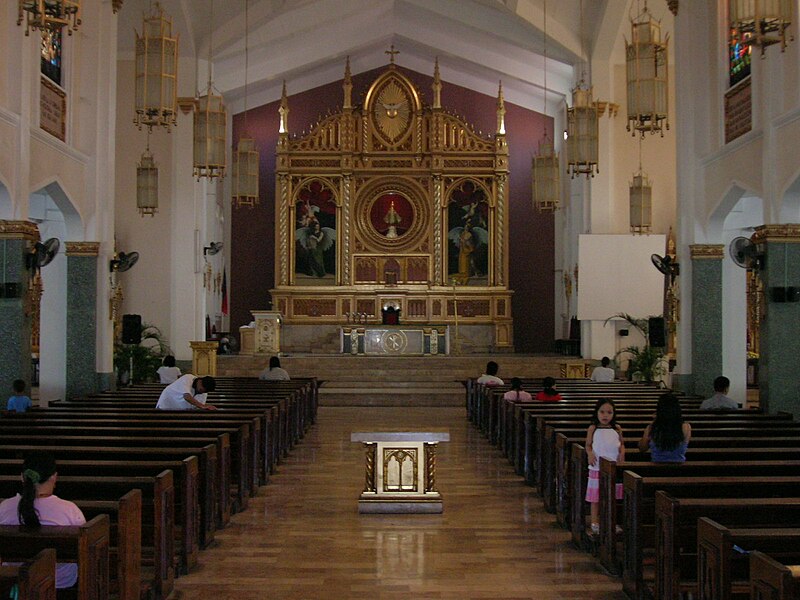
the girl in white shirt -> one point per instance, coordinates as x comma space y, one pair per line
603, 440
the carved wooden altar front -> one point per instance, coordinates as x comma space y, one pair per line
393, 201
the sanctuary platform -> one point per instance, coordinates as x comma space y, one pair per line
397, 380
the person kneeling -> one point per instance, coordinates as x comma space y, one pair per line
187, 393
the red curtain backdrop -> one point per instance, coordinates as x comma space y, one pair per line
402, 207
531, 236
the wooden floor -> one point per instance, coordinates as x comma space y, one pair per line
302, 537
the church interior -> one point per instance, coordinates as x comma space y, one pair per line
387, 195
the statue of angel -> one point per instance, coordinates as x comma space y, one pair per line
316, 240
467, 239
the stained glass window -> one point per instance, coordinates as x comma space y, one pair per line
51, 55
740, 55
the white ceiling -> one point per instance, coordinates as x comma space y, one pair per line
305, 42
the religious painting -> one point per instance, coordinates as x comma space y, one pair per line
391, 215
468, 235
315, 235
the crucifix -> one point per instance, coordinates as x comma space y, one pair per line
391, 52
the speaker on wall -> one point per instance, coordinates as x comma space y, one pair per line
131, 329
656, 332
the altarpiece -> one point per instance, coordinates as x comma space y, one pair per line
394, 203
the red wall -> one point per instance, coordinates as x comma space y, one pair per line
531, 241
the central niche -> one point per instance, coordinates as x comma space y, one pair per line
392, 216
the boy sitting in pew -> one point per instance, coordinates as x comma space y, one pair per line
37, 506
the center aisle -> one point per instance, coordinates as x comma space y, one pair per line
302, 537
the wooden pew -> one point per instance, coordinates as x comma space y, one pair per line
676, 533
206, 472
126, 541
113, 444
610, 508
723, 566
238, 444
772, 580
639, 528
34, 579
85, 544
578, 474
158, 521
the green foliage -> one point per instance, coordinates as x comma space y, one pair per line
147, 355
646, 363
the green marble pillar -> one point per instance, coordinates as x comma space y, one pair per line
82, 375
779, 360
706, 316
15, 304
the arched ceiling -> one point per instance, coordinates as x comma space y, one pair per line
305, 42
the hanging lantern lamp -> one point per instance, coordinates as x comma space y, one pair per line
582, 133
244, 187
641, 203
545, 171
156, 72
210, 122
647, 76
147, 183
766, 21
546, 178
49, 14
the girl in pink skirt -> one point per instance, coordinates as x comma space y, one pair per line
603, 440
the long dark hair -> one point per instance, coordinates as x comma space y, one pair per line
38, 467
516, 385
274, 363
548, 384
667, 430
598, 405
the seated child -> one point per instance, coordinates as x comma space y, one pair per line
18, 402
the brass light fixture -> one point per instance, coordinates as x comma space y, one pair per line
147, 183
545, 175
210, 124
582, 127
156, 72
49, 14
647, 76
244, 187
765, 20
641, 200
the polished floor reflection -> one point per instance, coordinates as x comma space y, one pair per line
302, 537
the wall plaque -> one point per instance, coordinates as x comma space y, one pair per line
53, 109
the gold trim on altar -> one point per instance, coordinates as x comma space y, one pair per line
392, 196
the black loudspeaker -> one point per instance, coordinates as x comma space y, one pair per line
656, 333
131, 329
623, 333
785, 294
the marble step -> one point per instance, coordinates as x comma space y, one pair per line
390, 397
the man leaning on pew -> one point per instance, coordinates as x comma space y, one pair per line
187, 393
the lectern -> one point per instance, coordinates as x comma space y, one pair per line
400, 472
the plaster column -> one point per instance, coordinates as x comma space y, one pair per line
82, 377
706, 316
15, 319
778, 363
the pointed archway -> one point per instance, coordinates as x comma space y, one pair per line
738, 214
55, 214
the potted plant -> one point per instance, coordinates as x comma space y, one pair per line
645, 363
145, 357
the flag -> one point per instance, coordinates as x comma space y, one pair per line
224, 292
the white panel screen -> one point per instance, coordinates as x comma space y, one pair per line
616, 275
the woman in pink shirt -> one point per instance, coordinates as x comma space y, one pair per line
516, 393
37, 506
